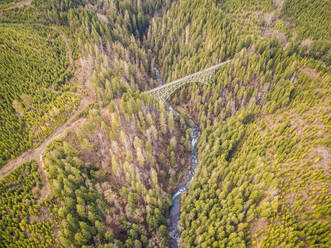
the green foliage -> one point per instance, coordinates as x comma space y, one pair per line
142, 202
19, 224
81, 210
7, 3
24, 15
32, 59
312, 17
248, 159
261, 180
130, 129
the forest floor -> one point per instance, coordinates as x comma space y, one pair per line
20, 4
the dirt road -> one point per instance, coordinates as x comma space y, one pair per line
35, 154
20, 4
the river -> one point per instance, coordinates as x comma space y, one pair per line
174, 212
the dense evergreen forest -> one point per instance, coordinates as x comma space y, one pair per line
88, 159
33, 59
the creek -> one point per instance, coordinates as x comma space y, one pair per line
174, 212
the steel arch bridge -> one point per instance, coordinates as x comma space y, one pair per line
163, 92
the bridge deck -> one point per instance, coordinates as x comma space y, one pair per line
188, 76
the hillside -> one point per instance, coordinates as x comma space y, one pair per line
89, 159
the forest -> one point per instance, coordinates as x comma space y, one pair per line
24, 222
132, 206
33, 66
110, 157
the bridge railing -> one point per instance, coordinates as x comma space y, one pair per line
212, 68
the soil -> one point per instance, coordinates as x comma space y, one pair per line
20, 4
34, 154
258, 225
311, 72
271, 33
325, 154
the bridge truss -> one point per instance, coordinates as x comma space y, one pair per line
206, 76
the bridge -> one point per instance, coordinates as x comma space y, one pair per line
163, 92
